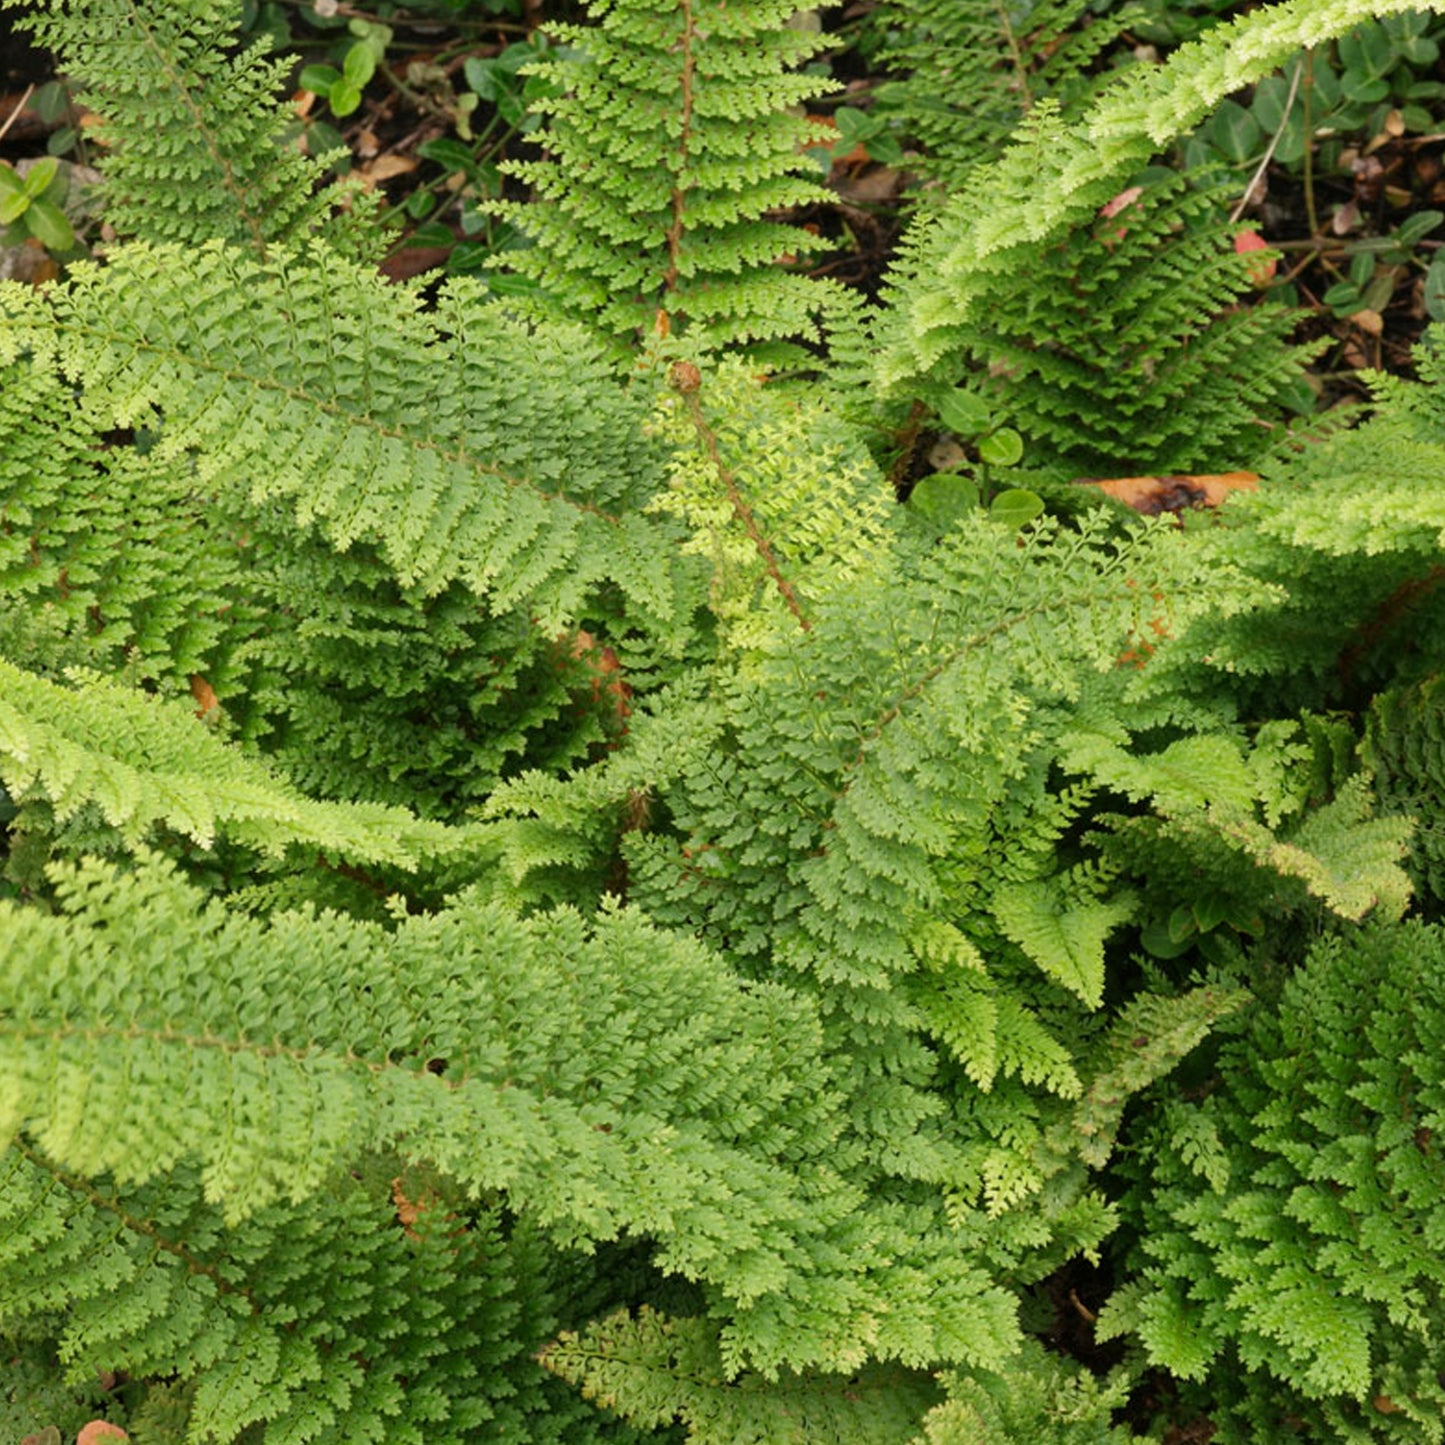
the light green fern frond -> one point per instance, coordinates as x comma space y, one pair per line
653, 1370
191, 124
142, 763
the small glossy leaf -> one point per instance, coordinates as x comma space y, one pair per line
1155, 938
1435, 288
40, 175
1182, 924
1236, 132
1015, 507
47, 223
359, 65
1417, 227
1002, 448
50, 102
1209, 912
433, 233
319, 79
344, 97
853, 125
964, 412
943, 498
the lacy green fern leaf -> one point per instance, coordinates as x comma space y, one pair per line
975, 70
670, 143
1056, 177
194, 135
1318, 1272
653, 1370
143, 763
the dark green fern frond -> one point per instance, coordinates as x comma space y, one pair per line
1120, 349
974, 70
297, 382
1294, 1265
670, 145
1056, 176
193, 131
600, 1078
1404, 746
372, 1309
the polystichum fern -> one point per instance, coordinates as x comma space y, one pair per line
433, 1033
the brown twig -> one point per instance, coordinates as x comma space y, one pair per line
15, 114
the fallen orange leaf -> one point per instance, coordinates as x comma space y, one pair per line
208, 705
99, 1430
1153, 495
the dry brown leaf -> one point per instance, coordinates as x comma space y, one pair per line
208, 705
383, 168
99, 1430
1155, 494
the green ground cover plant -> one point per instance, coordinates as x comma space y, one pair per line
561, 882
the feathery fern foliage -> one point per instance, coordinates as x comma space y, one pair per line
1055, 177
774, 1036
194, 135
389, 596
1120, 349
1289, 1216
1038, 1398
975, 70
668, 146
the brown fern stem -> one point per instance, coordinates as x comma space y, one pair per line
685, 379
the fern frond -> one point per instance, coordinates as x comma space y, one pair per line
1055, 178
144, 763
337, 1317
1312, 1287
670, 144
653, 1370
249, 491
1037, 1397
195, 139
975, 70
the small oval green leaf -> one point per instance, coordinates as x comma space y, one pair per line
944, 497
359, 65
344, 97
40, 175
1016, 507
964, 413
319, 79
1002, 448
46, 222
